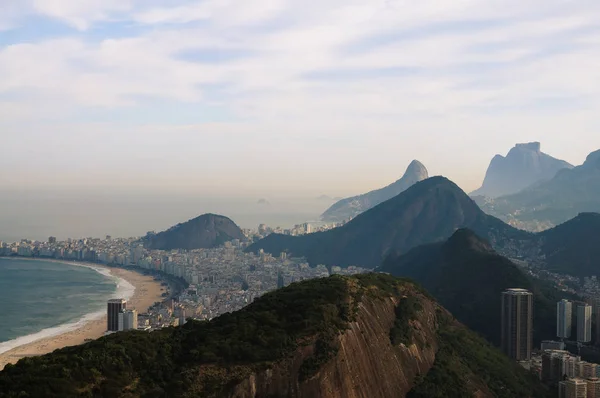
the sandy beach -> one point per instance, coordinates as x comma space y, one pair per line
147, 292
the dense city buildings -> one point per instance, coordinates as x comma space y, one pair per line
210, 282
564, 319
572, 388
114, 308
593, 387
584, 323
517, 323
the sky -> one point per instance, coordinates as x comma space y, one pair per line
269, 97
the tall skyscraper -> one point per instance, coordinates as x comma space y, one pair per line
572, 388
115, 306
564, 311
517, 323
584, 323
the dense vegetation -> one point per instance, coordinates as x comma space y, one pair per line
429, 211
462, 354
406, 311
467, 277
150, 364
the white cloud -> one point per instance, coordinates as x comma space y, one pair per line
81, 13
306, 73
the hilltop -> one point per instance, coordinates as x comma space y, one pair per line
365, 336
467, 276
203, 232
351, 207
573, 247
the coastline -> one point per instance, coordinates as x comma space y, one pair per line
143, 292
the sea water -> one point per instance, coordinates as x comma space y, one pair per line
41, 299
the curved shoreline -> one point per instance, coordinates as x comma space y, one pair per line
143, 292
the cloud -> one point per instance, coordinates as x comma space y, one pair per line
287, 75
81, 13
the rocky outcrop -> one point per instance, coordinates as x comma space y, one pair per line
367, 365
524, 165
549, 203
351, 207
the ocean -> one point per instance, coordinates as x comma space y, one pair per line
38, 215
40, 299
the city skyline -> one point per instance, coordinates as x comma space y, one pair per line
337, 99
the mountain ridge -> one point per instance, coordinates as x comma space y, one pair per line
467, 276
351, 207
429, 211
552, 202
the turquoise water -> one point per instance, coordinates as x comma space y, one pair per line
38, 295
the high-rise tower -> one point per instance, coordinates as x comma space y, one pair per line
584, 323
564, 316
115, 306
517, 323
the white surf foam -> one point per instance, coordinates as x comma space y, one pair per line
124, 290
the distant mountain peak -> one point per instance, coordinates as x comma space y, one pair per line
353, 206
593, 159
465, 239
416, 167
524, 165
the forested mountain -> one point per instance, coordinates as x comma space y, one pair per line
365, 336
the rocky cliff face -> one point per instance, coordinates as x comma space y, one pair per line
367, 365
351, 207
524, 165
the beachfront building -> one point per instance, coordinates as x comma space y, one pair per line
115, 306
128, 320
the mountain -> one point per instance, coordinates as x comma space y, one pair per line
467, 277
364, 336
573, 247
429, 211
203, 232
524, 165
549, 203
351, 207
